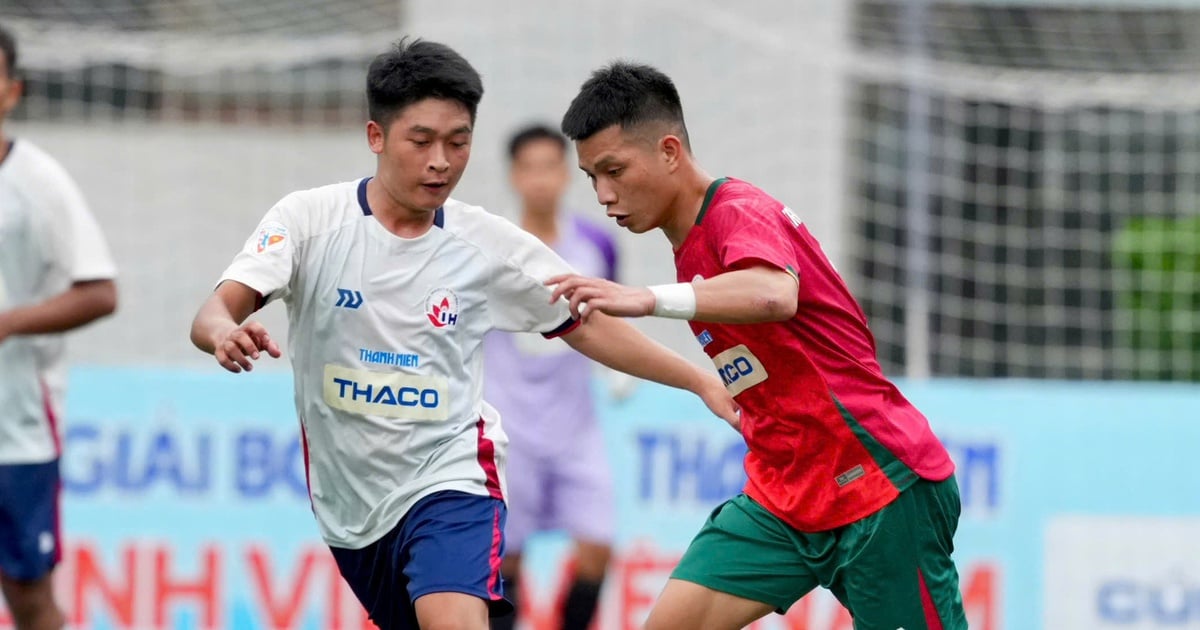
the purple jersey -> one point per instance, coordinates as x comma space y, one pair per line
541, 387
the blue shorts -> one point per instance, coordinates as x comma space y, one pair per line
29, 526
449, 542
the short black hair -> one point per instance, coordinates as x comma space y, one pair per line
533, 133
626, 94
414, 70
8, 46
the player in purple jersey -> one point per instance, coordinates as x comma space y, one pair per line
558, 478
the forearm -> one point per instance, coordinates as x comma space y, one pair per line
82, 304
617, 344
228, 306
746, 296
211, 323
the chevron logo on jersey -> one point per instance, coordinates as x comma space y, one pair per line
349, 299
441, 307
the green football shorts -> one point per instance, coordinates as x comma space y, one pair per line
891, 569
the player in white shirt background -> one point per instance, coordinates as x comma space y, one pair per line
390, 287
56, 275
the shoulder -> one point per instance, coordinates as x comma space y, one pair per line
739, 205
476, 225
38, 171
736, 197
497, 239
317, 210
32, 160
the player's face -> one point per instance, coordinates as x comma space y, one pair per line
423, 152
540, 175
631, 176
10, 88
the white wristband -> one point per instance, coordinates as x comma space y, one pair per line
677, 301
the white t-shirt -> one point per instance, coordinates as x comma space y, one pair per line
48, 240
385, 341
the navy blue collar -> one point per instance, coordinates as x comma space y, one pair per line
439, 215
362, 196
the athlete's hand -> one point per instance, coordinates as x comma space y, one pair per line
720, 402
597, 294
237, 349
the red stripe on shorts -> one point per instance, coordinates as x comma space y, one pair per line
494, 557
932, 621
58, 538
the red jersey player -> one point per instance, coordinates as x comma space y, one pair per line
848, 487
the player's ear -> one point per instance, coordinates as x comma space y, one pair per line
671, 150
375, 136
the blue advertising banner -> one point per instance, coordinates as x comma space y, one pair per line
185, 505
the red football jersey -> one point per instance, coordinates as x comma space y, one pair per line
830, 439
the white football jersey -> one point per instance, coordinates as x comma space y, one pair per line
385, 341
48, 240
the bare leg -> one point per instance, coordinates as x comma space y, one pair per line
579, 606
510, 568
451, 611
689, 606
32, 603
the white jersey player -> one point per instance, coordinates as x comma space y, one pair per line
390, 287
55, 275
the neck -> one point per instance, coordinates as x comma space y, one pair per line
393, 214
541, 224
685, 207
4, 144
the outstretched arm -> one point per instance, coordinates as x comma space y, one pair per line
218, 328
745, 296
81, 304
620, 346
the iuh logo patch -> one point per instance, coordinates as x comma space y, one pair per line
441, 307
270, 237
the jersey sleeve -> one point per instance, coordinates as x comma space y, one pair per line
267, 261
77, 241
518, 299
747, 234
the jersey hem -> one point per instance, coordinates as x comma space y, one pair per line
399, 511
856, 515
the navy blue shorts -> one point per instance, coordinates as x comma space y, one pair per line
449, 542
29, 531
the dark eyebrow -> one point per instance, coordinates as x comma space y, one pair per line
424, 129
601, 165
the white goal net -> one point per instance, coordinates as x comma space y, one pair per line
1025, 187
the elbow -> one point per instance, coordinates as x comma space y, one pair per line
198, 334
781, 305
780, 310
96, 299
194, 335
106, 300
